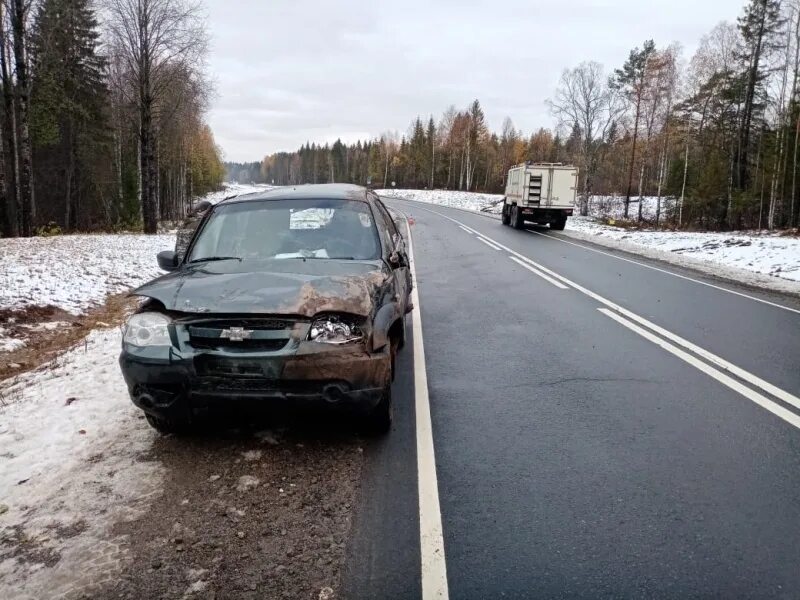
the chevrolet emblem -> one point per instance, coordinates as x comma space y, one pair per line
236, 334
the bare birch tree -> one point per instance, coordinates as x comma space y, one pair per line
154, 38
585, 102
18, 13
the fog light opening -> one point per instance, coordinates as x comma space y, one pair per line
145, 400
333, 393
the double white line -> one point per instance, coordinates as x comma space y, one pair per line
712, 365
481, 238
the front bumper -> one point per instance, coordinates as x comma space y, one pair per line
184, 385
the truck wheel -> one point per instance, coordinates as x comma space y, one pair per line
379, 420
559, 224
516, 218
505, 219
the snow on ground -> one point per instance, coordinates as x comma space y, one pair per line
760, 254
451, 198
71, 448
8, 343
236, 189
75, 272
763, 259
614, 207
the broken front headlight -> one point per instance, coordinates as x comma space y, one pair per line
148, 329
335, 330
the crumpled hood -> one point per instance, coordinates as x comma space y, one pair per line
286, 287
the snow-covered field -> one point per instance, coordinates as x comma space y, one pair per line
70, 444
75, 272
765, 259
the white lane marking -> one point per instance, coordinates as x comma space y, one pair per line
488, 243
556, 283
762, 401
431, 539
687, 278
465, 229
717, 360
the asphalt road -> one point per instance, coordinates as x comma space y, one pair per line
602, 427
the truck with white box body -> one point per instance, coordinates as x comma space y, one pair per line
542, 193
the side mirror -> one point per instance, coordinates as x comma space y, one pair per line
198, 209
168, 260
397, 260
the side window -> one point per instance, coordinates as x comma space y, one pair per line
384, 230
388, 216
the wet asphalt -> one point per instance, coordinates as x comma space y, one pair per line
575, 458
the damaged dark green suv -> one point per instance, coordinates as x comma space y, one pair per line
291, 296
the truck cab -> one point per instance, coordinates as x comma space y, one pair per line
542, 193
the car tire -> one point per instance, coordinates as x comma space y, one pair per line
379, 420
559, 224
505, 219
166, 426
393, 346
403, 337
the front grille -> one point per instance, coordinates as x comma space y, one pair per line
204, 343
240, 335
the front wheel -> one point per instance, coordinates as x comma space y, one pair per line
167, 426
379, 420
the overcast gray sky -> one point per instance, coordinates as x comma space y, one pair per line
291, 71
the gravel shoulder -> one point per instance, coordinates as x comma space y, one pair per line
244, 515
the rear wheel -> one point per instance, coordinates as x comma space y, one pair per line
379, 419
559, 224
505, 218
167, 426
394, 346
516, 217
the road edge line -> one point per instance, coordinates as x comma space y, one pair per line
431, 537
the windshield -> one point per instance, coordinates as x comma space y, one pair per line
282, 229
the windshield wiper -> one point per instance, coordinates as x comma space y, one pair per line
327, 257
214, 258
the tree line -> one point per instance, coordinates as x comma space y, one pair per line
102, 123
718, 136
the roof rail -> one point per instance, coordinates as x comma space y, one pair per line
530, 163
